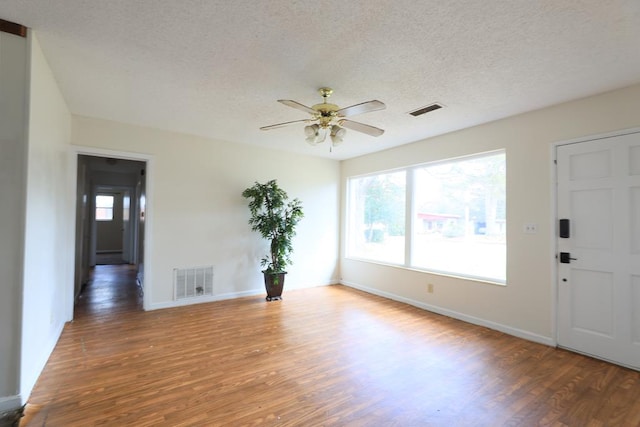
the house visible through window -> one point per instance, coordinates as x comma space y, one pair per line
457, 217
460, 217
104, 207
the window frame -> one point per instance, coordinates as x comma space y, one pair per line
406, 213
105, 208
410, 215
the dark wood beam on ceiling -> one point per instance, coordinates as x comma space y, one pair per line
13, 28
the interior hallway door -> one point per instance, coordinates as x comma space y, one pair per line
599, 257
109, 231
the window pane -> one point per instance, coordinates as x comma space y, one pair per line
103, 201
376, 216
126, 207
460, 217
104, 208
104, 214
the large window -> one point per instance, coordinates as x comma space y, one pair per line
457, 219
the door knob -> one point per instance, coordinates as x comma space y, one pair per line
565, 257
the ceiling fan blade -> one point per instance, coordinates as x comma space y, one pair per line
363, 107
297, 106
361, 127
279, 125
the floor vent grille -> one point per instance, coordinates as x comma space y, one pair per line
192, 282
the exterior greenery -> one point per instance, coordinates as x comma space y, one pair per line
475, 190
275, 217
384, 204
455, 223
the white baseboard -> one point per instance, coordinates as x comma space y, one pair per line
201, 300
530, 336
222, 297
311, 285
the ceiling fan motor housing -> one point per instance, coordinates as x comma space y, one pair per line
325, 113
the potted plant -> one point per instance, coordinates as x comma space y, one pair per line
275, 217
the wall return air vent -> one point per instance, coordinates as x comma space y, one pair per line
192, 282
423, 110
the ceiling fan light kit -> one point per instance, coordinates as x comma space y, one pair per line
317, 134
337, 134
330, 119
313, 134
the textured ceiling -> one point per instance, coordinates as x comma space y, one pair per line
215, 68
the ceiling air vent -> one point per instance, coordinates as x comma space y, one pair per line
424, 110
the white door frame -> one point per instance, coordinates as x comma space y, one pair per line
554, 215
74, 152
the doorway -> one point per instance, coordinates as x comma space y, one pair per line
110, 235
598, 246
110, 221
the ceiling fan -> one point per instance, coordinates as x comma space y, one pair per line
330, 119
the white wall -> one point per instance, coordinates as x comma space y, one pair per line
13, 125
525, 306
196, 215
49, 244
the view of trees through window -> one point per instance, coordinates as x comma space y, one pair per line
378, 216
458, 218
461, 217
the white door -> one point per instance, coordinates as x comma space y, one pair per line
599, 280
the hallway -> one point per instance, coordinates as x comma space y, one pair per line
111, 291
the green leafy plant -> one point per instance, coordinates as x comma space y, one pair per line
275, 217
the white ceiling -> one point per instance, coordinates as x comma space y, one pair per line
215, 68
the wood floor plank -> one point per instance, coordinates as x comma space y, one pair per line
326, 356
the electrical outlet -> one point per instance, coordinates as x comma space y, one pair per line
531, 228
430, 288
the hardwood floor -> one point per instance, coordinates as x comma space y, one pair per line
326, 356
110, 258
